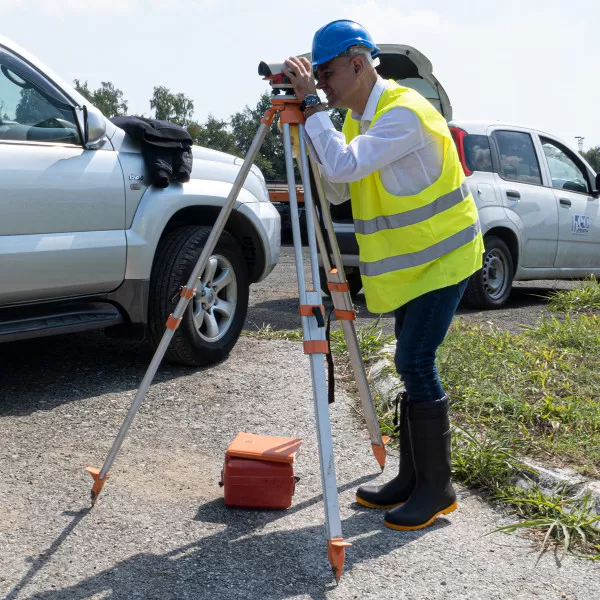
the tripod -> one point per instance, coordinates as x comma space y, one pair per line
312, 314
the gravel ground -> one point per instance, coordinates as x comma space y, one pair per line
275, 301
160, 529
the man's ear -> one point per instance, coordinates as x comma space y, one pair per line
357, 64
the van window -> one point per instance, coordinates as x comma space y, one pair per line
566, 174
477, 153
518, 160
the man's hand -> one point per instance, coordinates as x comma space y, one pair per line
300, 74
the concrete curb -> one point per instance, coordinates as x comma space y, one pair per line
386, 385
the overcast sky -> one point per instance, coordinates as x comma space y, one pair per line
533, 63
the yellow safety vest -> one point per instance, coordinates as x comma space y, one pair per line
411, 245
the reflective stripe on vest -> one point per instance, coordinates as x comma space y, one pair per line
414, 216
414, 259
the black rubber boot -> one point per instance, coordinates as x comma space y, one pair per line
433, 494
396, 491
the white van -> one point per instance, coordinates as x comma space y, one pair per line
538, 199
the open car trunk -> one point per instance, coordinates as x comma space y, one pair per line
412, 69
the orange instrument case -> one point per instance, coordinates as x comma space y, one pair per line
258, 471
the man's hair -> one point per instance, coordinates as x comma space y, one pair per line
359, 50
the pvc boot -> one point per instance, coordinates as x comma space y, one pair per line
433, 494
396, 491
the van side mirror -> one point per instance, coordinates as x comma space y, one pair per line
596, 192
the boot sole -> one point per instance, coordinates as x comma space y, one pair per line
445, 511
377, 506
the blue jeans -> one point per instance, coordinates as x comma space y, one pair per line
421, 326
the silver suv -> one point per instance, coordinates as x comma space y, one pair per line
86, 242
538, 200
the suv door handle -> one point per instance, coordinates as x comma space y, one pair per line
513, 194
564, 202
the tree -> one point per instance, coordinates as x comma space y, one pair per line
213, 134
177, 108
4, 116
593, 157
244, 125
337, 116
108, 99
33, 108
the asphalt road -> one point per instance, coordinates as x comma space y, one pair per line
160, 529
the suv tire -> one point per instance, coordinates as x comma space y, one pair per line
214, 318
490, 287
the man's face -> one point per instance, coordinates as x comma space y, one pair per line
337, 79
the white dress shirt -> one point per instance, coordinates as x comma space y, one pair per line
407, 156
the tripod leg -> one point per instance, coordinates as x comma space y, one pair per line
100, 475
344, 311
315, 346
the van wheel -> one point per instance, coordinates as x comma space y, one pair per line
352, 276
491, 286
214, 317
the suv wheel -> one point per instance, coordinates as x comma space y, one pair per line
214, 318
491, 287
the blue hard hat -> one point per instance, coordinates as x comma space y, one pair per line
336, 37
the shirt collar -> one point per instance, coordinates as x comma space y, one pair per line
371, 106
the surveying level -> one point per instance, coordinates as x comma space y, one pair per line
312, 312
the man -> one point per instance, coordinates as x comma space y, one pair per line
419, 241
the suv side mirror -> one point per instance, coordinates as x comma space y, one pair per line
95, 128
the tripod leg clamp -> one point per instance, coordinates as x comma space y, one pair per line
316, 347
344, 315
338, 287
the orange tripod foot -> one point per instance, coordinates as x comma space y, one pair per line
379, 451
336, 551
98, 482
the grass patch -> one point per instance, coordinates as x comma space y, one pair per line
266, 332
570, 522
371, 341
531, 394
486, 463
537, 389
585, 298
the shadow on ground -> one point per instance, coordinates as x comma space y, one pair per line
246, 559
43, 374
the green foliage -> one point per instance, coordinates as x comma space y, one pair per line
538, 390
33, 108
584, 298
107, 99
244, 125
567, 520
266, 332
337, 116
371, 341
593, 157
213, 134
483, 462
177, 108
